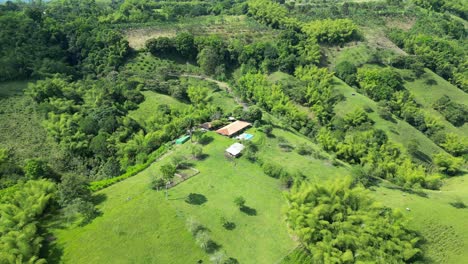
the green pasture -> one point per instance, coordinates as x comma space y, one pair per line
444, 227
399, 131
139, 226
430, 88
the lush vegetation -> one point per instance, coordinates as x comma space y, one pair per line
372, 93
340, 224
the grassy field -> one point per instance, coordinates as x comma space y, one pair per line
399, 131
259, 237
427, 94
443, 227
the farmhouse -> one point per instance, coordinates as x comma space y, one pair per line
233, 128
235, 149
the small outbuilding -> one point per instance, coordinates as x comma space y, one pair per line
233, 128
182, 140
207, 125
235, 149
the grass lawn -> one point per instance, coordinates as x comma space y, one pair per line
149, 229
443, 227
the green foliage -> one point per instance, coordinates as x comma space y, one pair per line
455, 144
356, 118
331, 31
160, 46
379, 84
455, 113
304, 149
20, 211
210, 61
167, 171
197, 151
274, 170
318, 91
445, 56
35, 169
71, 188
448, 164
239, 202
198, 95
346, 71
256, 88
341, 224
272, 14
131, 171
252, 114
185, 45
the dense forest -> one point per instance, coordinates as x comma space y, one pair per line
83, 80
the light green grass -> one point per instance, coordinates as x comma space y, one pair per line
427, 95
149, 228
152, 101
316, 169
443, 226
137, 226
400, 132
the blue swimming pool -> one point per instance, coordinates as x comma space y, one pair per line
248, 136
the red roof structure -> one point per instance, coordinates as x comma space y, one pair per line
233, 128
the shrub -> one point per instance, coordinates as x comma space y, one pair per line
304, 149
157, 183
131, 171
273, 170
267, 129
239, 202
448, 164
197, 151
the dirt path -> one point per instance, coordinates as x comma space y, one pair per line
225, 86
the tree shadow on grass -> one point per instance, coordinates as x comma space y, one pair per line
248, 210
419, 193
422, 156
195, 199
203, 156
98, 198
205, 140
212, 247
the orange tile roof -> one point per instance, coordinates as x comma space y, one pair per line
233, 128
